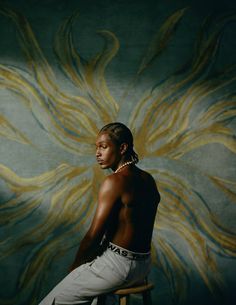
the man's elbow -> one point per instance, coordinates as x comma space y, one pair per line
92, 238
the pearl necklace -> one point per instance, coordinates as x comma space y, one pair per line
123, 165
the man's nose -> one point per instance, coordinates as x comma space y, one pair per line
98, 153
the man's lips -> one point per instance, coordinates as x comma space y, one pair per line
99, 161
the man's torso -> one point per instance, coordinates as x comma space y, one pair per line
131, 223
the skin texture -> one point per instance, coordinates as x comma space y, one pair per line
127, 204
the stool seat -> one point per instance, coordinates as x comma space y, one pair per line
124, 294
144, 289
135, 289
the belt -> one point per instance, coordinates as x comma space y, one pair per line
127, 253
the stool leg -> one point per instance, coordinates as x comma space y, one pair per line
124, 300
147, 299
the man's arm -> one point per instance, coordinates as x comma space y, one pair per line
107, 199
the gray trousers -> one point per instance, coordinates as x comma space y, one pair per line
115, 268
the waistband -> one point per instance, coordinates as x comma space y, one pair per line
127, 253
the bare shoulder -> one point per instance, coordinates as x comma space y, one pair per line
111, 180
110, 184
146, 175
151, 183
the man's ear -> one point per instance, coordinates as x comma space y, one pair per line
123, 148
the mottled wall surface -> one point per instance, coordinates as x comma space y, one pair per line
164, 68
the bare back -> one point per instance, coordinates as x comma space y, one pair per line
131, 225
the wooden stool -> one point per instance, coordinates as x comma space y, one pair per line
144, 289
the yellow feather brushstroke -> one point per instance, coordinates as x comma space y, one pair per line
7, 130
162, 38
227, 186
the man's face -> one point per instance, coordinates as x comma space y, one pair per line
107, 152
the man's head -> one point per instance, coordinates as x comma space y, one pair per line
115, 145
120, 134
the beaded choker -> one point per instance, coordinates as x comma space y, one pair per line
123, 165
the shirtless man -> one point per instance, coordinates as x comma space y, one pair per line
123, 221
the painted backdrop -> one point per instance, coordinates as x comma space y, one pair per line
164, 68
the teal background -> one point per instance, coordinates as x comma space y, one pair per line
174, 87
